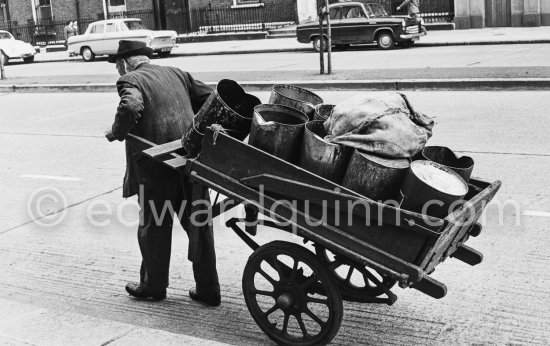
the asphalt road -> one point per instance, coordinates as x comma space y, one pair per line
53, 144
498, 61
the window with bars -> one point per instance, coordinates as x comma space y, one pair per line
44, 10
117, 2
245, 2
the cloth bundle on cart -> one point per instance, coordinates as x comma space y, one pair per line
383, 124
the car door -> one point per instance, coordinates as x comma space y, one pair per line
111, 37
94, 38
353, 25
335, 18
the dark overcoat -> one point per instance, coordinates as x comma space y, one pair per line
157, 103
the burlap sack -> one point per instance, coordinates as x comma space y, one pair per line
383, 124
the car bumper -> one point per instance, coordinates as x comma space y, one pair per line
412, 36
164, 47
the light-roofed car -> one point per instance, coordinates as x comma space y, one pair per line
10, 48
102, 37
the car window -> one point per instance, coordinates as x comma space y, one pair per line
375, 10
97, 29
134, 25
335, 13
351, 12
111, 27
4, 36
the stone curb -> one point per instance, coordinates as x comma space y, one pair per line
411, 84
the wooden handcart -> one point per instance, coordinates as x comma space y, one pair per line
293, 293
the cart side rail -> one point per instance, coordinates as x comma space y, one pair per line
459, 223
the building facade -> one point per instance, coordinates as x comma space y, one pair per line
499, 13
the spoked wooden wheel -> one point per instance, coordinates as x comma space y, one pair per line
352, 278
291, 296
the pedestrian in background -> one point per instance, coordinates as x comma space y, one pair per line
69, 31
413, 8
158, 103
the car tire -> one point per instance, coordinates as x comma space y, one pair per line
6, 59
317, 44
164, 54
385, 40
29, 60
87, 54
406, 44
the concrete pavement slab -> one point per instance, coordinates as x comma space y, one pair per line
24, 324
79, 268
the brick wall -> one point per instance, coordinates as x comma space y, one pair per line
139, 5
20, 10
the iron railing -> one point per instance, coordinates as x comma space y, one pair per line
217, 19
433, 11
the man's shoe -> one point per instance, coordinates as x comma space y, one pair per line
208, 300
142, 292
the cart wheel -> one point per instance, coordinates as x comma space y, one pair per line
291, 296
352, 277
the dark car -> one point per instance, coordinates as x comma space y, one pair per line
363, 23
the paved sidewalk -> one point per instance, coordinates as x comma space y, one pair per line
434, 38
53, 327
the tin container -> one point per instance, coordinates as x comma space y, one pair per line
323, 112
375, 177
463, 165
278, 130
295, 97
318, 156
433, 189
229, 106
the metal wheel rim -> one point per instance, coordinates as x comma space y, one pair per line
290, 294
87, 54
385, 40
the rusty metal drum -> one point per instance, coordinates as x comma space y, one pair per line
375, 177
278, 130
328, 160
463, 165
295, 97
229, 106
323, 112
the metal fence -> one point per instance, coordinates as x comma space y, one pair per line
217, 19
51, 32
433, 11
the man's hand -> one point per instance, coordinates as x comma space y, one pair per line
109, 135
398, 8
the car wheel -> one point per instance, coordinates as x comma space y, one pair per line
29, 59
164, 54
406, 44
317, 44
6, 59
87, 54
385, 40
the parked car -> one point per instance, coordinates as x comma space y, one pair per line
363, 23
102, 37
11, 48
